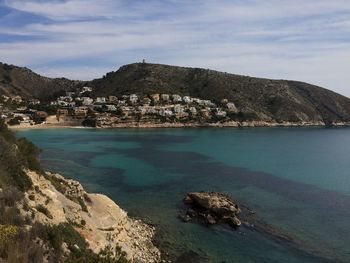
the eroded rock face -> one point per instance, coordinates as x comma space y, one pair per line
212, 208
99, 219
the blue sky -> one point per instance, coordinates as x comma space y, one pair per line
304, 40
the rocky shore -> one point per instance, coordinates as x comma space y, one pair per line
55, 200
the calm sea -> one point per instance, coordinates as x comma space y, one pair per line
296, 179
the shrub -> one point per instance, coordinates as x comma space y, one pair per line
10, 215
87, 198
82, 204
7, 79
6, 132
15, 121
56, 182
30, 152
23, 249
44, 210
7, 235
11, 161
55, 235
107, 255
10, 195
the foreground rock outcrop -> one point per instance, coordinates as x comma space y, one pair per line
96, 217
212, 208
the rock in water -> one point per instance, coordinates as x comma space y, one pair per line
212, 208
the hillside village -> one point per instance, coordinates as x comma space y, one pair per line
82, 108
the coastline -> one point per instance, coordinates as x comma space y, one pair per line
45, 126
140, 125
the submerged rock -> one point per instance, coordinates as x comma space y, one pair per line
212, 208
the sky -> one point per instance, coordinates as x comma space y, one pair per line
304, 40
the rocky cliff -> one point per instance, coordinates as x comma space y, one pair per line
96, 217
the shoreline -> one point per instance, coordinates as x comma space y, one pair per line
233, 124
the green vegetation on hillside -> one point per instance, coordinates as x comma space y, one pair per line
24, 82
15, 156
21, 240
255, 98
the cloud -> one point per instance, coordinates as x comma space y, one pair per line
65, 10
301, 39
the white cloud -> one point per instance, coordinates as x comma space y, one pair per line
66, 10
301, 39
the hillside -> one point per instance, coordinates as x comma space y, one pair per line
24, 82
45, 217
256, 98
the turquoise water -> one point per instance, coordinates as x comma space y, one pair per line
296, 179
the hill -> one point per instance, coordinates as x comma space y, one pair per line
256, 98
26, 83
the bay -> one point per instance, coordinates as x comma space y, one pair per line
296, 179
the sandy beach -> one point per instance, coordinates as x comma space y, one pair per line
44, 126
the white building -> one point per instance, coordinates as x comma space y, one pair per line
62, 103
34, 102
187, 99
121, 103
193, 111
151, 110
5, 98
26, 118
111, 107
220, 113
176, 98
65, 98
231, 106
133, 98
163, 111
87, 101
86, 89
178, 109
165, 97
101, 100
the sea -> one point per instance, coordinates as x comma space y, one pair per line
296, 180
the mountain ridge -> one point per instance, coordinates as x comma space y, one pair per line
22, 81
256, 98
